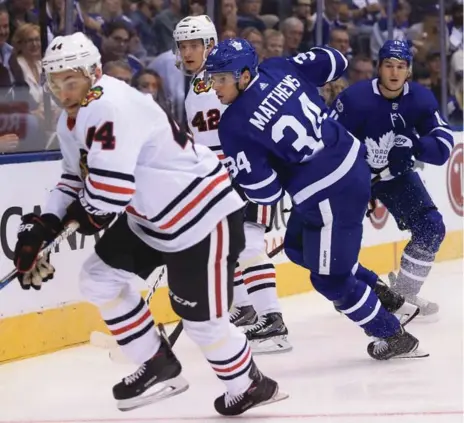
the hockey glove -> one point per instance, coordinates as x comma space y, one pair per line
91, 220
400, 160
33, 233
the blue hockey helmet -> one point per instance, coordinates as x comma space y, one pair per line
396, 49
233, 55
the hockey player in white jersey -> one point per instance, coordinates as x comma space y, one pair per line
124, 157
255, 278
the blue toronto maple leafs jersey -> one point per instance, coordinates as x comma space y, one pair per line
377, 121
277, 135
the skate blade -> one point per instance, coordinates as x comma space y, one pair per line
163, 390
278, 396
274, 345
429, 318
413, 354
102, 340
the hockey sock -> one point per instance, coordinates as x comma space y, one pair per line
260, 282
366, 275
240, 292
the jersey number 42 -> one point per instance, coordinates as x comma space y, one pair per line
206, 121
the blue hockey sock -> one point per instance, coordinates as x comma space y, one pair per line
366, 275
358, 302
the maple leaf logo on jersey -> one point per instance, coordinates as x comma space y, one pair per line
237, 45
94, 94
377, 153
200, 86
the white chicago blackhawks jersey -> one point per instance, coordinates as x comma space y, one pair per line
204, 110
128, 155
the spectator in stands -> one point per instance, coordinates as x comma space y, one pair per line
330, 19
456, 35
5, 48
302, 11
143, 20
8, 143
118, 69
421, 75
379, 34
455, 103
292, 28
28, 54
20, 12
363, 13
360, 69
340, 39
331, 90
273, 43
249, 15
197, 7
434, 68
229, 16
164, 25
149, 82
426, 34
227, 34
456, 67
255, 38
115, 45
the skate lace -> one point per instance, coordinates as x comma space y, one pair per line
380, 347
134, 377
235, 312
231, 400
261, 323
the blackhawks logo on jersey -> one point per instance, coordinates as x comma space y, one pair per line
94, 94
200, 86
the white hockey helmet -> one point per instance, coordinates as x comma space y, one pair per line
194, 28
71, 52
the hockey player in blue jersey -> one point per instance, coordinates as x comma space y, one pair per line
399, 121
280, 140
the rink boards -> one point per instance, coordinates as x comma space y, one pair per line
35, 322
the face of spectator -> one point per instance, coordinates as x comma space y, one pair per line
275, 46
148, 84
122, 74
228, 34
70, 88
332, 8
303, 9
256, 40
113, 7
433, 65
360, 71
30, 45
252, 7
293, 36
117, 43
426, 82
192, 53
229, 7
197, 9
393, 74
340, 40
4, 28
402, 14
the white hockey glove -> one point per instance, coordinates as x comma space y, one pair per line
43, 271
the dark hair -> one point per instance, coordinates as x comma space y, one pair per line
112, 26
420, 72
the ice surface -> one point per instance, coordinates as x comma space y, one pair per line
328, 375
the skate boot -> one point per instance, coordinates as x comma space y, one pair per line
156, 379
395, 303
243, 316
268, 335
262, 391
427, 308
400, 345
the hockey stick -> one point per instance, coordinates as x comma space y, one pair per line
103, 340
65, 233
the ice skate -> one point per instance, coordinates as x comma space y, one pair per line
262, 391
400, 345
243, 316
268, 335
427, 308
156, 379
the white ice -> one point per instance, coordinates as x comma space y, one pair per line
328, 375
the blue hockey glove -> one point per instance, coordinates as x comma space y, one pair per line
400, 160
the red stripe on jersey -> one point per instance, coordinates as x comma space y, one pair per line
60, 184
213, 184
217, 270
264, 214
235, 366
111, 188
131, 325
221, 156
258, 277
